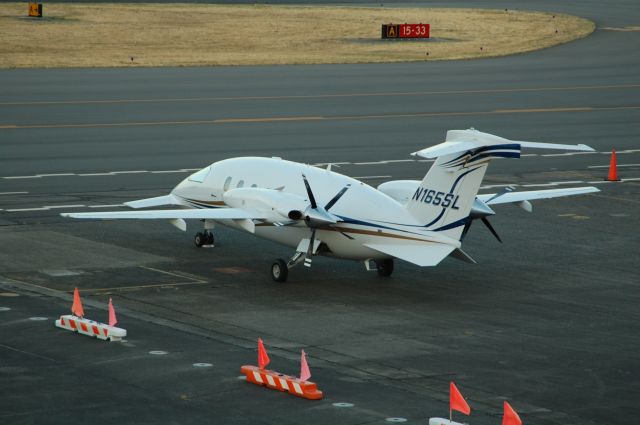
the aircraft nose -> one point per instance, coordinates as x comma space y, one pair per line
180, 188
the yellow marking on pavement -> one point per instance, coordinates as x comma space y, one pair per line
580, 217
566, 215
116, 124
331, 118
529, 111
274, 119
615, 198
631, 28
8, 126
180, 275
102, 291
323, 96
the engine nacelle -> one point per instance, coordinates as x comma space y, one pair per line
274, 203
400, 190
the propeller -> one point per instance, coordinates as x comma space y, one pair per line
481, 210
491, 229
316, 216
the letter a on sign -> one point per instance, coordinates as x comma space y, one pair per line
391, 31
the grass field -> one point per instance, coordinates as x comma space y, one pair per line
108, 35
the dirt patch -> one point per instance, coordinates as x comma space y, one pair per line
107, 35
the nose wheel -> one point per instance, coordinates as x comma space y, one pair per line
203, 238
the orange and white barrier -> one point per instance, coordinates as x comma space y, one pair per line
90, 328
278, 381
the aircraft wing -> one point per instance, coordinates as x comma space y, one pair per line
515, 197
194, 213
419, 254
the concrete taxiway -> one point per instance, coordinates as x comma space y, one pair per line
547, 320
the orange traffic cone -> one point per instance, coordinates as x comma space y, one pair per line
613, 168
76, 308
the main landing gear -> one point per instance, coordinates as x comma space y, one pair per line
280, 268
203, 238
385, 267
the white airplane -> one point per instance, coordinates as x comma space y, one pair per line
320, 212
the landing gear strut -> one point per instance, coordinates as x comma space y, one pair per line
203, 238
385, 267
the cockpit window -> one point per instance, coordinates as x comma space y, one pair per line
227, 183
199, 176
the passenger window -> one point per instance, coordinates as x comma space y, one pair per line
254, 185
240, 183
227, 183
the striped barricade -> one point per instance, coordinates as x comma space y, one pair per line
90, 328
278, 381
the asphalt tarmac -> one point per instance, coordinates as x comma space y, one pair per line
548, 320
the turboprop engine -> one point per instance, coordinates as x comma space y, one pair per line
276, 204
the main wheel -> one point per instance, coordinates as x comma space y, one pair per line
385, 267
199, 239
279, 270
209, 237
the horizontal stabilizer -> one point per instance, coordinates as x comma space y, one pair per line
421, 254
461, 141
197, 213
154, 202
530, 195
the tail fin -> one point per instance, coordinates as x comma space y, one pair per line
445, 197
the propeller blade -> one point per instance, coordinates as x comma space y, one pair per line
336, 198
309, 193
307, 258
490, 227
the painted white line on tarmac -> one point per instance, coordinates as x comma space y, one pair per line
568, 182
371, 177
319, 164
27, 209
569, 154
53, 207
494, 186
619, 165
94, 174
540, 185
13, 193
